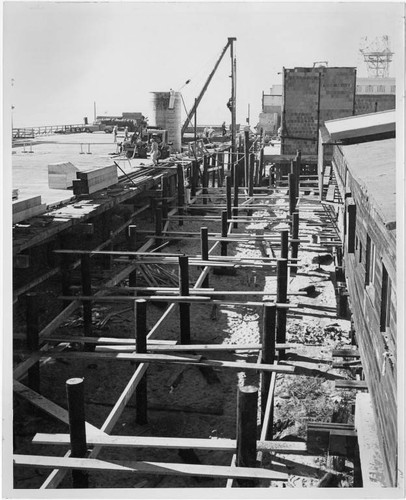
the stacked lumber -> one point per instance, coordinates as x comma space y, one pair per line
29, 207
61, 175
90, 181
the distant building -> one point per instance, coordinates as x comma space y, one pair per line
310, 97
270, 116
376, 86
375, 94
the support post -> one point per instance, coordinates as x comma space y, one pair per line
165, 194
281, 297
194, 178
184, 308
87, 304
247, 402
268, 357
205, 179
132, 235
213, 177
228, 195
77, 427
181, 193
33, 339
235, 201
224, 231
251, 174
284, 243
246, 157
295, 244
204, 244
141, 348
292, 193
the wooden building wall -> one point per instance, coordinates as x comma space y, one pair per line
377, 348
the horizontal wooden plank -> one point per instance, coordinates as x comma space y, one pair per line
346, 353
106, 340
157, 468
350, 384
166, 358
173, 443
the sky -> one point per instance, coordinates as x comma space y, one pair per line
60, 58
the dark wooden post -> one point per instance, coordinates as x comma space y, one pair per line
65, 270
295, 244
165, 195
220, 163
141, 348
132, 235
224, 232
268, 357
284, 243
194, 178
158, 226
246, 157
87, 304
204, 243
247, 405
77, 427
235, 200
261, 163
281, 296
214, 165
181, 193
184, 308
298, 166
33, 339
251, 174
205, 179
292, 193
231, 166
228, 195
351, 214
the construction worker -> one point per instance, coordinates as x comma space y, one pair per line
126, 134
154, 150
115, 130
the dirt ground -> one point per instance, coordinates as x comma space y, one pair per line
188, 401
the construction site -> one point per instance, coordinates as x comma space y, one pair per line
224, 318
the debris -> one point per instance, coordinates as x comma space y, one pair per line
323, 259
329, 480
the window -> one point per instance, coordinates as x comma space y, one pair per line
381, 88
393, 89
359, 89
385, 299
370, 262
370, 89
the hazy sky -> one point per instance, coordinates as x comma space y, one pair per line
65, 56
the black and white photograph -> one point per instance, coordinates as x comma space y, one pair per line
202, 249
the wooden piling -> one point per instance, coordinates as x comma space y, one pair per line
292, 193
184, 308
205, 179
228, 196
204, 245
214, 171
251, 168
268, 355
141, 348
132, 236
194, 178
281, 297
246, 157
77, 427
224, 232
247, 402
33, 339
235, 200
295, 244
181, 193
165, 195
87, 291
284, 243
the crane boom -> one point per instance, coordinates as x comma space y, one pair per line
199, 98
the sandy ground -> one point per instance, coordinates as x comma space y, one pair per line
190, 402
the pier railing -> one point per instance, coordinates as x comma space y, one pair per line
31, 132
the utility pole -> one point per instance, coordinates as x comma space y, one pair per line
233, 97
94, 111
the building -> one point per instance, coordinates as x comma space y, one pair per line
310, 97
270, 117
361, 192
375, 94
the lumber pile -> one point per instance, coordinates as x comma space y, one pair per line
26, 208
90, 181
61, 175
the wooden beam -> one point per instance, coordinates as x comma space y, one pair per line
289, 447
156, 468
166, 358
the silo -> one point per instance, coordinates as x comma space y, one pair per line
166, 114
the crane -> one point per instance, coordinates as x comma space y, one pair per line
202, 92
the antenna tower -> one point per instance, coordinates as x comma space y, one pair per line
377, 56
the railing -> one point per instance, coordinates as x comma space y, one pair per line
31, 132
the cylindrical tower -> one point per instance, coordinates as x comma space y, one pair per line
166, 114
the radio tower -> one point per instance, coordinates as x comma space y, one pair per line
377, 56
